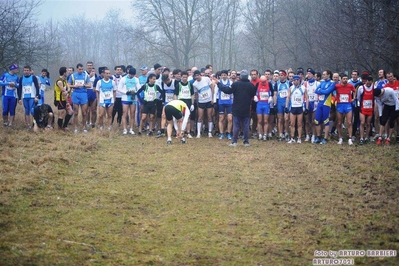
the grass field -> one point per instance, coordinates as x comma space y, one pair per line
106, 199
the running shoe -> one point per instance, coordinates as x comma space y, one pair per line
324, 141
229, 136
379, 141
350, 142
233, 144
387, 141
131, 132
340, 141
124, 132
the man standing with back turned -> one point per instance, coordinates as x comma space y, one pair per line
243, 91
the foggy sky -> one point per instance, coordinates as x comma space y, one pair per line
92, 9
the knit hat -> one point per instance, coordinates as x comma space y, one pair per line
14, 67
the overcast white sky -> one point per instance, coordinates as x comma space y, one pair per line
60, 9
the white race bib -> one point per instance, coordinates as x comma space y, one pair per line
344, 98
185, 93
311, 97
27, 89
264, 96
224, 96
79, 82
204, 95
283, 94
321, 97
368, 104
107, 94
43, 87
151, 96
297, 100
169, 97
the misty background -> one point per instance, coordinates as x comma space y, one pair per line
228, 34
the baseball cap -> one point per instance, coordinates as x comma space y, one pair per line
143, 68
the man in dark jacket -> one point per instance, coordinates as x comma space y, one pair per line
243, 92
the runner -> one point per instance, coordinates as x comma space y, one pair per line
184, 91
176, 110
44, 80
150, 90
282, 118
61, 90
225, 102
9, 82
204, 88
388, 108
127, 88
296, 95
263, 98
324, 91
365, 97
344, 90
79, 82
310, 85
43, 117
106, 93
28, 93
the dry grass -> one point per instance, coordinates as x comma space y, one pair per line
103, 198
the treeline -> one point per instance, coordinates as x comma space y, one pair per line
336, 34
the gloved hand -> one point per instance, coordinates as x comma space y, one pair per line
256, 99
286, 110
191, 108
306, 112
270, 100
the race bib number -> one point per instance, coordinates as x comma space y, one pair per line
343, 98
27, 89
224, 96
169, 97
204, 95
185, 93
151, 96
79, 82
368, 104
321, 97
283, 94
107, 94
297, 100
311, 97
264, 96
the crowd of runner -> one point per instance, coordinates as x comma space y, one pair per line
286, 105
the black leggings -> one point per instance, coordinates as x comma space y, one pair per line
117, 109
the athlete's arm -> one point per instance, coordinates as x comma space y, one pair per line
19, 89
37, 86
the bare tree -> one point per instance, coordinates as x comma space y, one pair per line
18, 42
172, 27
